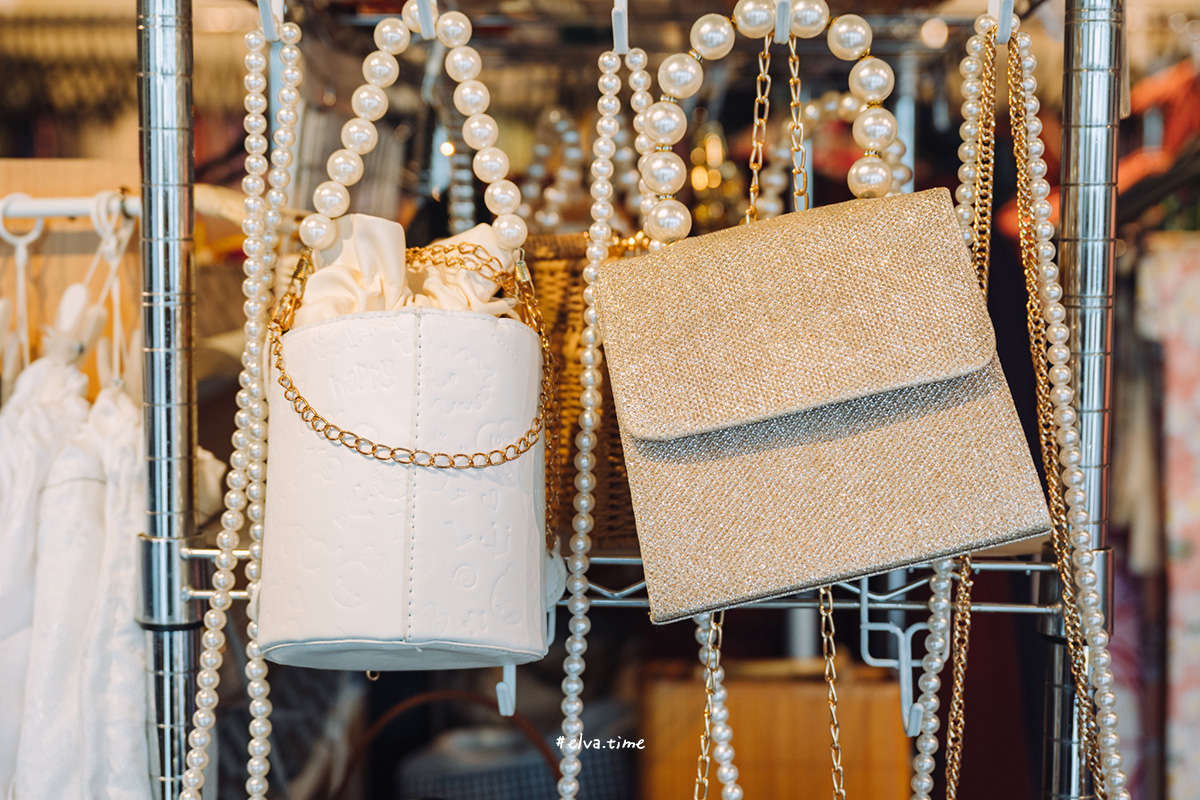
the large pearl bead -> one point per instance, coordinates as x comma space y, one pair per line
680, 76
874, 129
380, 69
669, 221
491, 164
665, 123
712, 36
870, 177
359, 136
369, 102
317, 231
471, 97
392, 36
809, 18
754, 18
412, 16
664, 172
453, 29
480, 131
331, 199
849, 37
463, 64
871, 80
510, 231
345, 167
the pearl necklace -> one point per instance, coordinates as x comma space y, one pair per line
937, 651
331, 199
568, 178
246, 479
1058, 355
663, 124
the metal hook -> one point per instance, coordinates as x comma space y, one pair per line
620, 26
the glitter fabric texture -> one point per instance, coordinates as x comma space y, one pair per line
810, 399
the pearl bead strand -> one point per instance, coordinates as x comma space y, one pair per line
937, 650
471, 97
246, 478
721, 732
1058, 354
599, 234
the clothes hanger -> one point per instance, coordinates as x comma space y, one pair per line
15, 347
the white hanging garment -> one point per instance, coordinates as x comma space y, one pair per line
83, 734
43, 414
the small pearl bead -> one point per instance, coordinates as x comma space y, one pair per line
871, 80
463, 63
609, 62
809, 18
849, 37
874, 129
392, 36
870, 177
712, 36
359, 136
317, 231
502, 197
380, 69
345, 167
680, 75
510, 231
471, 97
411, 14
754, 18
369, 102
453, 29
636, 59
490, 164
480, 131
331, 199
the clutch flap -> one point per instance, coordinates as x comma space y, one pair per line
791, 313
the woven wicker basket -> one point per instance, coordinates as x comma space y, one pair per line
556, 264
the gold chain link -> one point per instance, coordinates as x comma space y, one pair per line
715, 624
1076, 644
829, 648
796, 130
516, 284
985, 163
762, 110
961, 638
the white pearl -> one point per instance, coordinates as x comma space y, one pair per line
722, 753
641, 100
665, 123
331, 199
809, 18
380, 69
680, 75
453, 29
412, 16
502, 197
510, 231
636, 59
609, 62
849, 37
317, 231
875, 128
900, 175
369, 102
754, 18
463, 63
669, 221
471, 97
732, 791
345, 167
392, 36
480, 131
869, 177
359, 136
872, 80
712, 36
490, 164
849, 107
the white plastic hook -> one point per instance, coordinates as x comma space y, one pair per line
783, 21
1002, 10
271, 12
506, 691
620, 26
425, 10
20, 245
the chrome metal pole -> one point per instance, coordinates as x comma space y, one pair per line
1091, 109
169, 414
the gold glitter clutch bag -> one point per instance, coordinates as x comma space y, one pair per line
810, 399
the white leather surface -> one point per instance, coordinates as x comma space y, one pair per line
375, 565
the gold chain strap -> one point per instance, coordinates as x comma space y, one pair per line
829, 649
985, 162
762, 109
516, 284
1076, 644
796, 130
715, 623
961, 639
